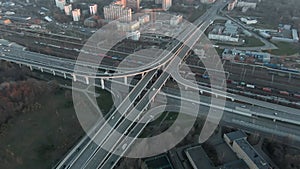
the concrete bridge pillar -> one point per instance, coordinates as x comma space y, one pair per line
53, 72
74, 77
253, 70
201, 91
65, 76
102, 83
125, 80
42, 70
30, 67
87, 80
20, 65
272, 78
227, 75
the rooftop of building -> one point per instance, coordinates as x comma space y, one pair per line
240, 164
249, 1
236, 134
252, 154
198, 157
158, 162
228, 29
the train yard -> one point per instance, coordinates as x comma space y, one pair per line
255, 81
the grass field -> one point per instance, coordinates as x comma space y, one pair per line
252, 42
285, 48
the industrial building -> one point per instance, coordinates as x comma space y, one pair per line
157, 162
228, 33
135, 35
117, 11
237, 141
144, 19
295, 35
285, 33
5, 21
248, 21
247, 4
242, 56
175, 20
198, 158
207, 1
128, 26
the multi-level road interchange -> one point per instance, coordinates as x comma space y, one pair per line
106, 134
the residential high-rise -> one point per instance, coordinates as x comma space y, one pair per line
60, 4
76, 15
123, 2
117, 11
93, 9
166, 4
138, 5
231, 5
68, 9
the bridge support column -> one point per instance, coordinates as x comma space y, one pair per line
20, 65
53, 72
74, 77
125, 80
65, 76
87, 80
42, 70
102, 83
216, 95
30, 67
272, 78
201, 91
253, 69
228, 75
290, 76
152, 100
